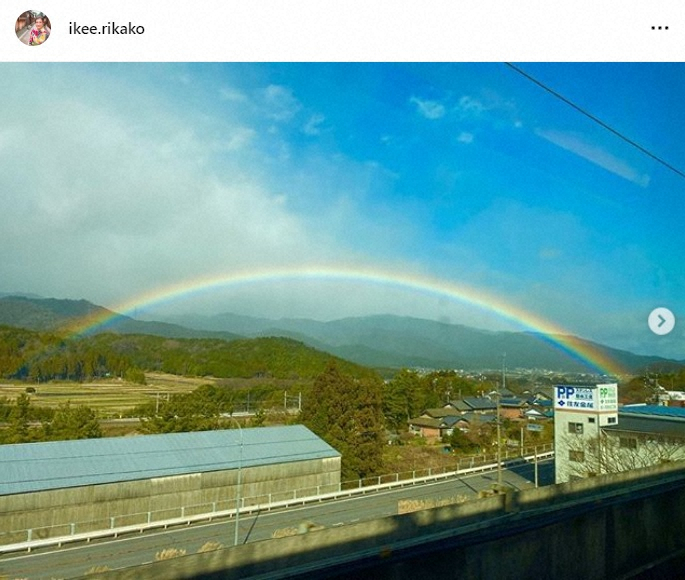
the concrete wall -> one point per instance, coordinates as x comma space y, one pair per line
605, 527
50, 513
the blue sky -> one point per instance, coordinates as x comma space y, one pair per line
120, 178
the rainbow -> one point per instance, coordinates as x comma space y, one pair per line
544, 329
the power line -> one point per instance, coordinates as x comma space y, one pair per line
595, 119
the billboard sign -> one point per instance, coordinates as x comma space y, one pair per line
602, 398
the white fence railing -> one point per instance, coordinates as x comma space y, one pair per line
186, 515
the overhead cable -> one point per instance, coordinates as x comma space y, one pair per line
595, 119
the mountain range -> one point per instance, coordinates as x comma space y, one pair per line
379, 341
401, 341
27, 311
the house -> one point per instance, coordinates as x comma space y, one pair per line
469, 421
480, 404
538, 413
513, 407
440, 412
433, 428
459, 406
503, 392
543, 394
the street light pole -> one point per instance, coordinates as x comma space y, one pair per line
240, 480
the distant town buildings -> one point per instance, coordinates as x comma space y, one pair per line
671, 398
469, 414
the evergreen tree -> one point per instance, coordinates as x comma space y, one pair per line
72, 423
347, 414
402, 399
18, 430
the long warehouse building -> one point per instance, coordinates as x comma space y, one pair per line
63, 487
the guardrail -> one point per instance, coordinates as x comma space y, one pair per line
186, 516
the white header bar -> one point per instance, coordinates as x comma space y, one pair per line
350, 30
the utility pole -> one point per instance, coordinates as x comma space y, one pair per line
499, 425
240, 480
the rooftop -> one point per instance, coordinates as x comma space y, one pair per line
438, 413
655, 410
480, 403
667, 421
30, 467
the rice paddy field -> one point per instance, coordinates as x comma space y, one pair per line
110, 398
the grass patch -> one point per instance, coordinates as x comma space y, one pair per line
402, 458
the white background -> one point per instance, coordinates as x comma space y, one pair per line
356, 30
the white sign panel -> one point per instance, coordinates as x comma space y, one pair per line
586, 398
574, 397
607, 397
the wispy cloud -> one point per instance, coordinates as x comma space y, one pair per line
470, 106
313, 125
236, 139
465, 137
280, 103
427, 108
231, 94
576, 144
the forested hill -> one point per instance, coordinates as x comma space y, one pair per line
40, 356
267, 356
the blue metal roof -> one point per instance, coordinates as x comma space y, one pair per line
653, 410
512, 402
41, 466
480, 403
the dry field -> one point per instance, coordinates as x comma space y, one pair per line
109, 397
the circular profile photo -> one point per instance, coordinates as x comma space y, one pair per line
32, 28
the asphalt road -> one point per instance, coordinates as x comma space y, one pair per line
73, 561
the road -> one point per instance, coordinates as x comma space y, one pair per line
75, 560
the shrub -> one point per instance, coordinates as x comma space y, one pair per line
169, 553
210, 547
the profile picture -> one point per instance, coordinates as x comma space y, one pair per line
32, 27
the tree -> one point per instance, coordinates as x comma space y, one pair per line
72, 423
259, 418
18, 430
347, 414
134, 375
402, 399
200, 410
459, 442
616, 452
